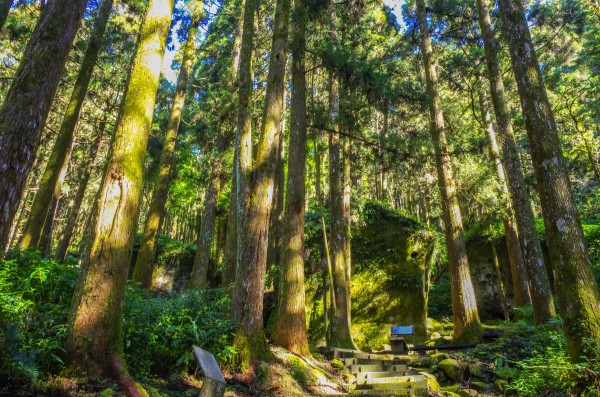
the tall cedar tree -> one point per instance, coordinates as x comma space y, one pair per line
50, 185
95, 339
517, 263
142, 271
256, 195
539, 284
340, 334
574, 281
27, 104
290, 328
467, 327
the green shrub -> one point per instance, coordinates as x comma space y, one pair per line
160, 331
35, 294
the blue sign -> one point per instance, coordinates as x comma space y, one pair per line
403, 330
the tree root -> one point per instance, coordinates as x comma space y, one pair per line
127, 383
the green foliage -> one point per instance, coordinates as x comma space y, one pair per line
35, 295
160, 331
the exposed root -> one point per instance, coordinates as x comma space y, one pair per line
127, 383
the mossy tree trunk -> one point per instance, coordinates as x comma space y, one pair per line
539, 285
290, 328
253, 235
142, 271
67, 233
33, 87
50, 185
199, 276
95, 339
574, 281
515, 254
467, 326
4, 10
340, 334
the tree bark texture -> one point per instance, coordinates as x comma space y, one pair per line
95, 335
515, 254
467, 326
253, 236
290, 328
537, 277
27, 104
50, 185
574, 281
142, 271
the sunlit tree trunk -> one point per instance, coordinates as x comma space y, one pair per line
199, 276
142, 271
467, 327
539, 285
517, 263
290, 328
27, 104
276, 227
574, 281
50, 185
95, 339
4, 10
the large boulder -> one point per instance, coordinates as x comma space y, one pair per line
391, 261
452, 369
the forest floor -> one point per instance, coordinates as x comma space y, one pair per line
524, 360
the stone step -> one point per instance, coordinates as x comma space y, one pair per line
416, 390
361, 376
355, 361
357, 368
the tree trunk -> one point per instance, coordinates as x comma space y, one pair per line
95, 339
340, 334
539, 285
199, 275
515, 254
142, 271
33, 87
256, 194
50, 185
65, 242
467, 327
574, 281
4, 10
290, 328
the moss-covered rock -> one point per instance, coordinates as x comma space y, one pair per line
452, 369
436, 358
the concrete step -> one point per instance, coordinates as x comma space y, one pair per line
418, 391
357, 368
361, 376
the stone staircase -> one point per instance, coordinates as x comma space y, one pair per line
381, 375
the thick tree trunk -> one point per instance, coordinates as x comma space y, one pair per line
142, 271
199, 276
340, 334
95, 339
574, 281
27, 104
467, 327
256, 193
4, 10
290, 328
515, 254
50, 185
539, 285
67, 234
276, 226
